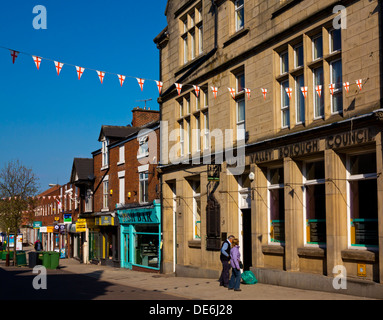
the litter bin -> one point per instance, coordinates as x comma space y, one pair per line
32, 259
46, 259
4, 255
55, 258
21, 258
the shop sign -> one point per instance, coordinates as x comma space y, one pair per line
81, 225
104, 221
37, 224
127, 216
43, 229
50, 229
67, 218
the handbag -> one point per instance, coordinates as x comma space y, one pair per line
240, 264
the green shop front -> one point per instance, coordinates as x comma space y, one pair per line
140, 228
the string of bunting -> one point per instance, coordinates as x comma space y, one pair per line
333, 87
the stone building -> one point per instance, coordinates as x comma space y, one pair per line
305, 108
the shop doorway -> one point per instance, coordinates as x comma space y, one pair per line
127, 262
246, 239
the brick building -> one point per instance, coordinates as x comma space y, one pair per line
310, 197
125, 181
55, 217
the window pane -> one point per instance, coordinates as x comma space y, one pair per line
317, 47
315, 170
335, 40
316, 213
276, 176
284, 62
240, 82
285, 103
336, 79
239, 14
299, 56
300, 99
241, 110
277, 215
362, 164
364, 212
319, 100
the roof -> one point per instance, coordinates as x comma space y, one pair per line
82, 170
117, 132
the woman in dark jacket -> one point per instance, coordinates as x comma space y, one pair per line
235, 258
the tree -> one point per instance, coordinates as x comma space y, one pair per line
18, 186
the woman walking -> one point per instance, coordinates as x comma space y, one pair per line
235, 258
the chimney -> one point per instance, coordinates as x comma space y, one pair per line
142, 117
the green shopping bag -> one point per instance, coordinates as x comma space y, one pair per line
248, 277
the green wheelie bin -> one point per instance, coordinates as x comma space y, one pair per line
21, 258
55, 258
46, 259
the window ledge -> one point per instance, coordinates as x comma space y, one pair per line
194, 244
273, 249
309, 252
359, 255
239, 34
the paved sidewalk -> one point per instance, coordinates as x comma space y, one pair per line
194, 288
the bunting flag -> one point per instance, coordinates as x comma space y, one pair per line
359, 84
59, 66
318, 89
196, 89
215, 91
159, 86
289, 92
264, 92
179, 88
101, 75
346, 86
232, 92
332, 88
37, 61
121, 78
14, 55
141, 83
80, 71
248, 91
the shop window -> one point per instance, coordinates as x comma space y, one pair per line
363, 202
315, 202
147, 245
276, 201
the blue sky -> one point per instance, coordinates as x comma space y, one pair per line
47, 120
